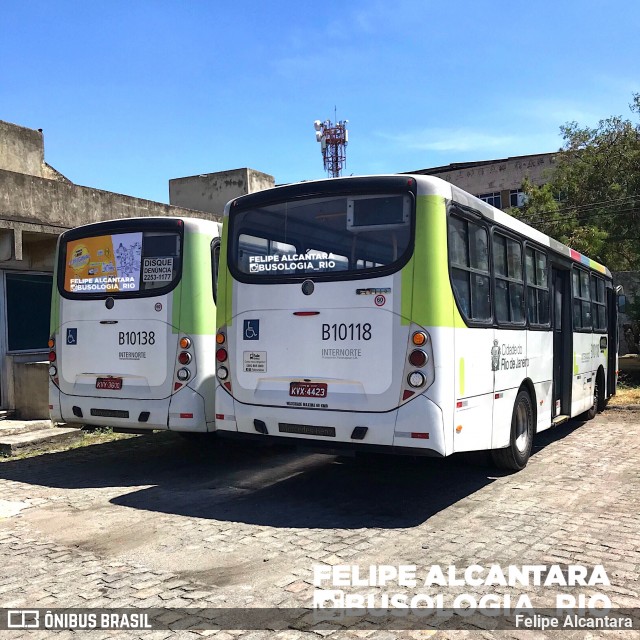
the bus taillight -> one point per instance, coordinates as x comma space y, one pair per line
416, 379
419, 338
418, 358
52, 356
221, 355
223, 373
183, 374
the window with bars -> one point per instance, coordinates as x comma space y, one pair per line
517, 198
494, 199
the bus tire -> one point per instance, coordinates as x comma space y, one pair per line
598, 399
516, 455
602, 401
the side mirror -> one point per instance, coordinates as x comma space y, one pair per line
622, 301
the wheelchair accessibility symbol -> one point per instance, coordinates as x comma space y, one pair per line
251, 330
72, 336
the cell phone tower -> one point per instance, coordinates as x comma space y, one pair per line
333, 139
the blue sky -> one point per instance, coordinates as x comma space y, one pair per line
131, 93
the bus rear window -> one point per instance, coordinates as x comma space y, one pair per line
321, 236
122, 262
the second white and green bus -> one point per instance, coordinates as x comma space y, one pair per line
399, 313
133, 325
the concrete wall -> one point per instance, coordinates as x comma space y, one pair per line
31, 390
25, 198
211, 191
21, 149
498, 176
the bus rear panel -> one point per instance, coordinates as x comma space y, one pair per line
121, 355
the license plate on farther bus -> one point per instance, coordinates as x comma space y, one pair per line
112, 384
308, 389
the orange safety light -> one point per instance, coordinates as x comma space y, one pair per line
419, 338
220, 338
185, 343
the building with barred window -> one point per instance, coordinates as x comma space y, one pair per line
498, 182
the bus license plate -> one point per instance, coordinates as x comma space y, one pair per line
308, 389
112, 384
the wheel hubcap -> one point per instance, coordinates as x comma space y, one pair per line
522, 427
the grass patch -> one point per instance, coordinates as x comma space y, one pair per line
94, 436
628, 391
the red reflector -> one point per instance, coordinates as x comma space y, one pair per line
50, 406
420, 436
221, 355
219, 416
227, 386
459, 405
306, 313
407, 394
186, 415
177, 385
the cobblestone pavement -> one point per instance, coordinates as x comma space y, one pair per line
155, 522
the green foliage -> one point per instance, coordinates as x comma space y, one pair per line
592, 201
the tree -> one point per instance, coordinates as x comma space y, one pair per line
592, 201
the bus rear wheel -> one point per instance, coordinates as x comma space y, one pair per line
516, 455
598, 399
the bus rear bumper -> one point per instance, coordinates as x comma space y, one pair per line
394, 431
183, 411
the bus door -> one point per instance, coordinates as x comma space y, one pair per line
612, 340
562, 343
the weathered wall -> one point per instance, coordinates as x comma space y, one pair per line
496, 176
26, 198
211, 191
31, 390
21, 149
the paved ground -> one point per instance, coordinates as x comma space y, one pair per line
154, 522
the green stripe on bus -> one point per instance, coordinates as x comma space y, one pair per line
225, 286
430, 297
54, 322
194, 311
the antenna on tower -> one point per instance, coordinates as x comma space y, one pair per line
333, 139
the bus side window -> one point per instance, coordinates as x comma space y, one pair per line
599, 304
537, 287
215, 264
509, 287
469, 260
581, 300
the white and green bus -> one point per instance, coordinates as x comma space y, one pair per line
133, 325
400, 313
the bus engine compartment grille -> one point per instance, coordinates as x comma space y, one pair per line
307, 430
109, 413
